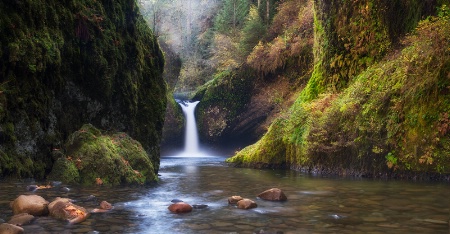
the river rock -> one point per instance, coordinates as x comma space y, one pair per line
105, 205
234, 199
273, 194
176, 200
31, 204
199, 206
6, 228
63, 208
21, 219
246, 204
180, 207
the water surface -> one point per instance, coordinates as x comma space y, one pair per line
315, 204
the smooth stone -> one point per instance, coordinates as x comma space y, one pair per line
273, 194
246, 204
199, 206
176, 200
65, 189
105, 205
31, 204
234, 199
63, 208
6, 228
180, 207
21, 219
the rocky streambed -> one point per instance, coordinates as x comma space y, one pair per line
312, 205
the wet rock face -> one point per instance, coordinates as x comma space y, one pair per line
273, 194
77, 78
31, 204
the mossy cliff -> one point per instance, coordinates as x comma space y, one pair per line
67, 63
377, 103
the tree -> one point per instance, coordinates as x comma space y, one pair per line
254, 29
231, 16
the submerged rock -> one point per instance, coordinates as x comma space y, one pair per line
246, 204
21, 219
180, 207
31, 204
6, 228
199, 206
273, 194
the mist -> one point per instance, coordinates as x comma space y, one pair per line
179, 22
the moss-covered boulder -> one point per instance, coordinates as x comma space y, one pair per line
91, 156
67, 63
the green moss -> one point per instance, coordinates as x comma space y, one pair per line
223, 99
392, 118
114, 158
66, 171
66, 64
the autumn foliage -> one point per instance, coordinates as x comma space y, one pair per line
290, 36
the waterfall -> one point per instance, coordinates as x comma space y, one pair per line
191, 145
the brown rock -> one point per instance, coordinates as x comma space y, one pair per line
234, 199
62, 208
6, 228
31, 204
180, 207
21, 219
246, 204
105, 205
273, 194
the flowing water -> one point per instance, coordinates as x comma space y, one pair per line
191, 143
315, 204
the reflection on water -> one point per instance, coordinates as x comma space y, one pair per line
315, 205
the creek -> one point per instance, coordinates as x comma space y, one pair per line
315, 204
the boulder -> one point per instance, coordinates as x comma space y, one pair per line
273, 194
21, 219
246, 204
180, 207
6, 228
31, 204
63, 208
234, 199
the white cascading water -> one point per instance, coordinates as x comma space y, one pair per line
191, 145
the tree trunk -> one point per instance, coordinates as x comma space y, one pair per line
268, 10
234, 14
